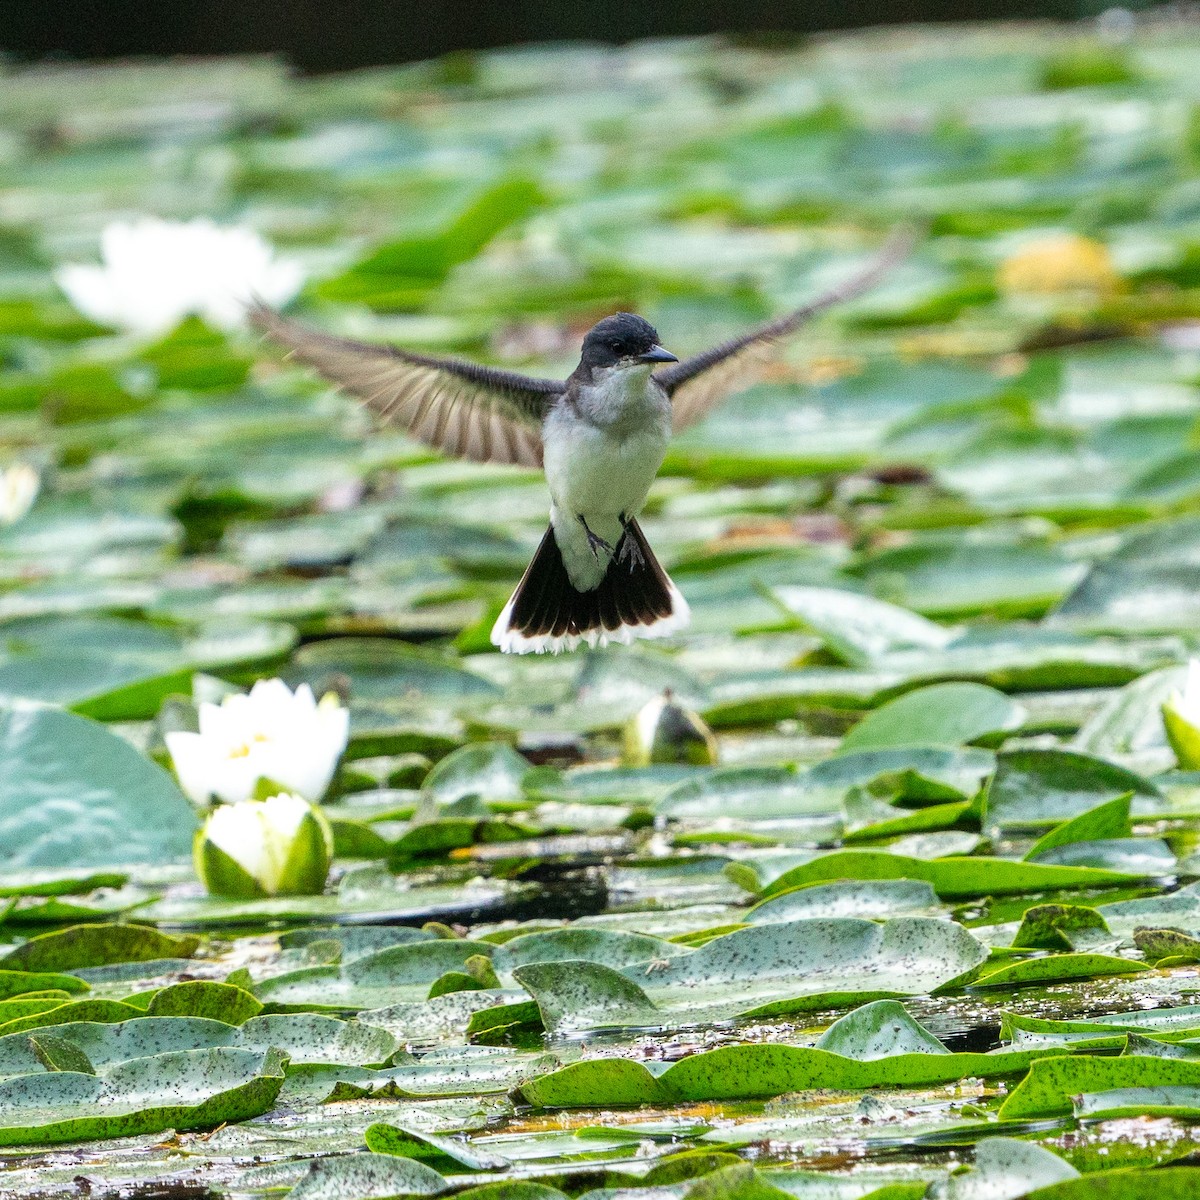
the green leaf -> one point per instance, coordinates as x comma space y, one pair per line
188, 1089
365, 1176
72, 793
849, 898
1059, 927
603, 947
95, 945
58, 1054
204, 998
950, 877
878, 1030
77, 1010
1056, 968
1167, 1183
1109, 820
945, 714
1051, 1083
760, 970
1007, 1167
759, 1071
1167, 946
954, 577
388, 976
313, 1038
860, 629
1044, 787
20, 983
575, 996
491, 771
452, 1154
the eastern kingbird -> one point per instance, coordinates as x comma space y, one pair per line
600, 436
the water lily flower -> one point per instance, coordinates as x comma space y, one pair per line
664, 731
1181, 719
155, 273
280, 846
18, 489
272, 734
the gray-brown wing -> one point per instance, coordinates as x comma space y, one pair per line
460, 408
698, 384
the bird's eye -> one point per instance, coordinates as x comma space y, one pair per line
615, 347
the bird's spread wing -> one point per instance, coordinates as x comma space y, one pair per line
698, 384
460, 408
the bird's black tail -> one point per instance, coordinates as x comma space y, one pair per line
635, 599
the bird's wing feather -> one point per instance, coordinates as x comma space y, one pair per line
698, 384
461, 408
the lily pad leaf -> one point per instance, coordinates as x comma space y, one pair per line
768, 969
1060, 927
187, 1089
105, 1045
366, 1176
205, 998
877, 1030
20, 983
849, 898
944, 714
861, 629
58, 1054
604, 947
1040, 787
1170, 1101
96, 945
315, 1038
1048, 1089
72, 793
1108, 820
762, 1070
573, 996
1167, 947
1004, 1169
1163, 1183
1056, 968
405, 1142
389, 976
950, 877
490, 771
99, 1011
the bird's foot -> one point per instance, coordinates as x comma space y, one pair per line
595, 544
631, 552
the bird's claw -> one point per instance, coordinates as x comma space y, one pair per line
631, 553
595, 543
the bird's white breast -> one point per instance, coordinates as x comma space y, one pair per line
601, 456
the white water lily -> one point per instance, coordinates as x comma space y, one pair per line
1181, 719
154, 273
278, 846
272, 734
18, 489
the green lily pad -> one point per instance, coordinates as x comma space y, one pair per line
945, 714
96, 945
760, 970
187, 1089
74, 793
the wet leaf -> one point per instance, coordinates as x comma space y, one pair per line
74, 793
946, 714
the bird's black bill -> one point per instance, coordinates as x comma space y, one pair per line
656, 354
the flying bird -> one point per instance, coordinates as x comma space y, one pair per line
599, 435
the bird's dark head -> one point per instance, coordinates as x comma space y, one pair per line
623, 340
